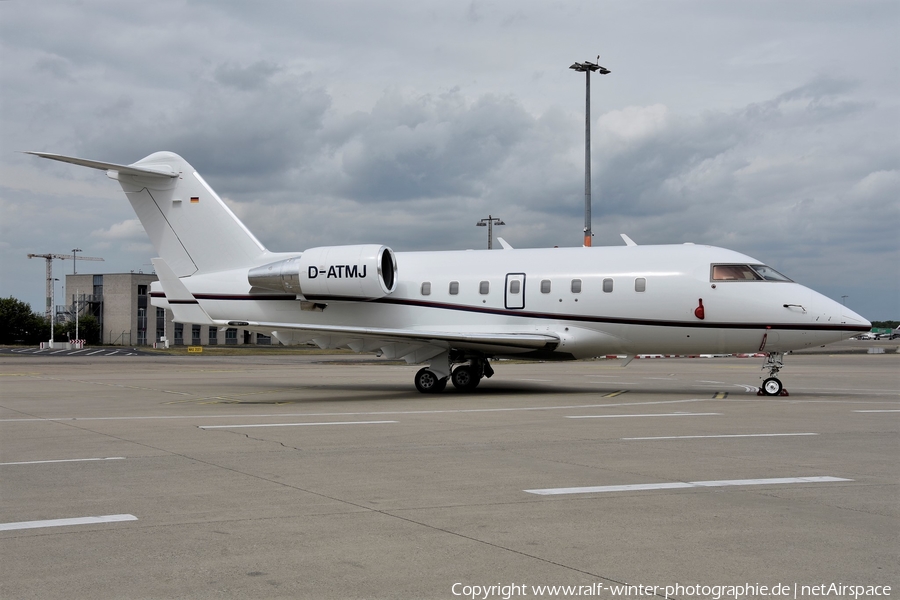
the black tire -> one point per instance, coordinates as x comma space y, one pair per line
464, 378
772, 386
429, 383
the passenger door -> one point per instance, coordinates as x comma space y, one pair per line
515, 291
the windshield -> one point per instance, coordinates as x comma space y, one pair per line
745, 273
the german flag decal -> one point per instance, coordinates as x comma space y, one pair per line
195, 200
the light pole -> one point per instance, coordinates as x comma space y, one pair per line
588, 68
490, 225
53, 310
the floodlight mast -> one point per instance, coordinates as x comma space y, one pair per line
588, 67
490, 221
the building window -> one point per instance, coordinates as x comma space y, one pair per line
607, 285
195, 335
426, 288
576, 286
160, 323
213, 336
142, 327
640, 284
142, 290
484, 287
179, 334
98, 286
454, 288
263, 340
231, 336
545, 286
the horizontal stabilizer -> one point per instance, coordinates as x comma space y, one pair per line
160, 171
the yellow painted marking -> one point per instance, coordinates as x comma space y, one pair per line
614, 394
720, 395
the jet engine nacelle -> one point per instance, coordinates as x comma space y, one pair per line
364, 272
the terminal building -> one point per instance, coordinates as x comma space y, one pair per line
121, 304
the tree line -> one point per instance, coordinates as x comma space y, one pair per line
21, 325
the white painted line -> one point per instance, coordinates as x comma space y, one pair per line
94, 352
681, 485
293, 424
735, 435
647, 415
877, 411
66, 522
43, 462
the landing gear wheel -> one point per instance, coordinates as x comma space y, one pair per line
464, 378
429, 383
772, 387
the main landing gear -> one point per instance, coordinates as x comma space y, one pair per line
464, 377
772, 386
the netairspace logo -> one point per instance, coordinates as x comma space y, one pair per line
715, 592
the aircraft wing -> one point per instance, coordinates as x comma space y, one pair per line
369, 338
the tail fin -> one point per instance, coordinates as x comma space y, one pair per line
189, 225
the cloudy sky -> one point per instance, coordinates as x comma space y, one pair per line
770, 128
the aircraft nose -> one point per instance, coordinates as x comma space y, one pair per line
851, 318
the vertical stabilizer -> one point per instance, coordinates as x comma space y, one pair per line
190, 227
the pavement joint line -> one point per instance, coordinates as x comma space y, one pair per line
350, 414
62, 460
66, 522
293, 424
728, 435
676, 485
647, 415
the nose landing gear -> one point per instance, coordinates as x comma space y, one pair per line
772, 386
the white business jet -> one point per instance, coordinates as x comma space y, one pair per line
457, 310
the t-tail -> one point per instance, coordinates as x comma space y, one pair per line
190, 227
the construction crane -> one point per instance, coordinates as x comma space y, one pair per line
49, 258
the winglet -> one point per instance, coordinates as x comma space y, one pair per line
185, 308
628, 240
506, 245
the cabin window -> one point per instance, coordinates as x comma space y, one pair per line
454, 288
640, 284
608, 285
426, 288
484, 287
576, 286
545, 286
515, 286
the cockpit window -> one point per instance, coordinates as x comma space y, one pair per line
769, 274
745, 273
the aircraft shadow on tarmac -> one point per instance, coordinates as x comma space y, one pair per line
350, 392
